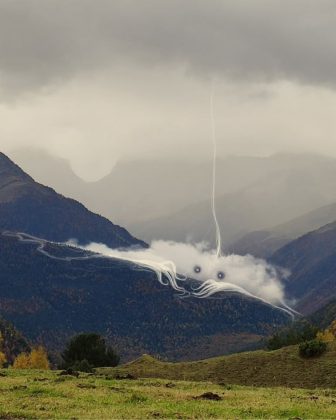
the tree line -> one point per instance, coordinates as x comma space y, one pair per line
83, 352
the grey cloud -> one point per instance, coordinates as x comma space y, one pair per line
43, 42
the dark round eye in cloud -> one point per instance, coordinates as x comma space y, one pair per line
197, 269
220, 275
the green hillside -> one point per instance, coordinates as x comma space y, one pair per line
282, 367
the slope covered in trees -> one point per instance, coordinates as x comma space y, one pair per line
51, 300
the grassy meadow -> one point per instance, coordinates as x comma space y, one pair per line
45, 394
260, 384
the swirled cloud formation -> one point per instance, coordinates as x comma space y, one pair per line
211, 274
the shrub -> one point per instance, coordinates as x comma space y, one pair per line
83, 366
312, 348
90, 347
22, 361
39, 359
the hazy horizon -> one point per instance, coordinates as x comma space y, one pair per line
96, 85
26, 157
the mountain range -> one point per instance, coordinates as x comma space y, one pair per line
301, 185
264, 243
51, 299
262, 203
311, 260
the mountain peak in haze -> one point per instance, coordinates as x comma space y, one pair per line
8, 169
12, 179
38, 210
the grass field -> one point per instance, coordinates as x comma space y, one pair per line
45, 394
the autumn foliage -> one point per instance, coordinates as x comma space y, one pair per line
36, 359
329, 334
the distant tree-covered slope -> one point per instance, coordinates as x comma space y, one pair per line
51, 300
324, 316
38, 210
312, 262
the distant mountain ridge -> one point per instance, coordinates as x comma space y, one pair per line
299, 186
146, 188
33, 208
265, 243
312, 261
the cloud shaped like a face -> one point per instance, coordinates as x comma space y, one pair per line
244, 274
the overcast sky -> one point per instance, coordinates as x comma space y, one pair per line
95, 81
